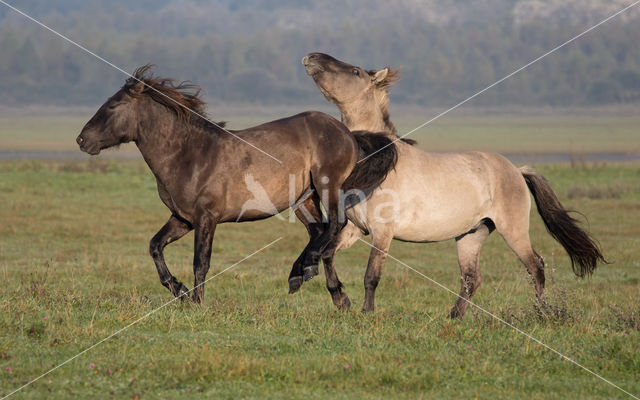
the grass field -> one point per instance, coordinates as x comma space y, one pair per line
74, 265
75, 269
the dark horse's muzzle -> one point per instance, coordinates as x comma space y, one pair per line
85, 146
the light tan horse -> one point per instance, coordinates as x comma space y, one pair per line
431, 197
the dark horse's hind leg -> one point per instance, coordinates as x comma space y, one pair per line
334, 286
317, 248
345, 239
469, 246
310, 215
173, 230
321, 237
329, 193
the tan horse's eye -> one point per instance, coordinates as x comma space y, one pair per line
356, 72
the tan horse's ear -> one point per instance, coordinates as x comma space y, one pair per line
380, 76
386, 77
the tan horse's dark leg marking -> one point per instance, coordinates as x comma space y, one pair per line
469, 246
381, 244
173, 230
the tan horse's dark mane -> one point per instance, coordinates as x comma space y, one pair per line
382, 99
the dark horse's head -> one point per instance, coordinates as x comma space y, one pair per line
344, 83
118, 120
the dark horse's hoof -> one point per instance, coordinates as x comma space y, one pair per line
183, 292
345, 304
310, 271
456, 313
295, 282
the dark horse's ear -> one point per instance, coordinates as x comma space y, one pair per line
137, 87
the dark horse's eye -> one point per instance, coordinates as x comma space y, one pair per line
356, 72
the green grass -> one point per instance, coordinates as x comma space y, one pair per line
75, 268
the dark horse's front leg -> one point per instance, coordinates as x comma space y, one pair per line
304, 268
173, 230
205, 227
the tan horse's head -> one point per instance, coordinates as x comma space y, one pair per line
361, 95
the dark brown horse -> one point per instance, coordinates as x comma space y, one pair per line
207, 175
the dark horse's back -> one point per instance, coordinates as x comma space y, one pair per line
330, 140
306, 145
316, 137
315, 130
310, 144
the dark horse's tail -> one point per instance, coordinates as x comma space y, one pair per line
377, 157
582, 248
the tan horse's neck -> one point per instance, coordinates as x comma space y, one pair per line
368, 112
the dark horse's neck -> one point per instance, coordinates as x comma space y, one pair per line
163, 137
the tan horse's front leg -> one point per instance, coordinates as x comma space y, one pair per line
380, 248
469, 246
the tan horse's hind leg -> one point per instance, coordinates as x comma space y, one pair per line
469, 246
534, 263
511, 218
517, 237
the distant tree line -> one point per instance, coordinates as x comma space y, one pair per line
441, 65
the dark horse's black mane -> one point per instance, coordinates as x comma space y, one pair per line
182, 98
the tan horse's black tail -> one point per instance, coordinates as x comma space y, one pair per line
581, 247
377, 157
